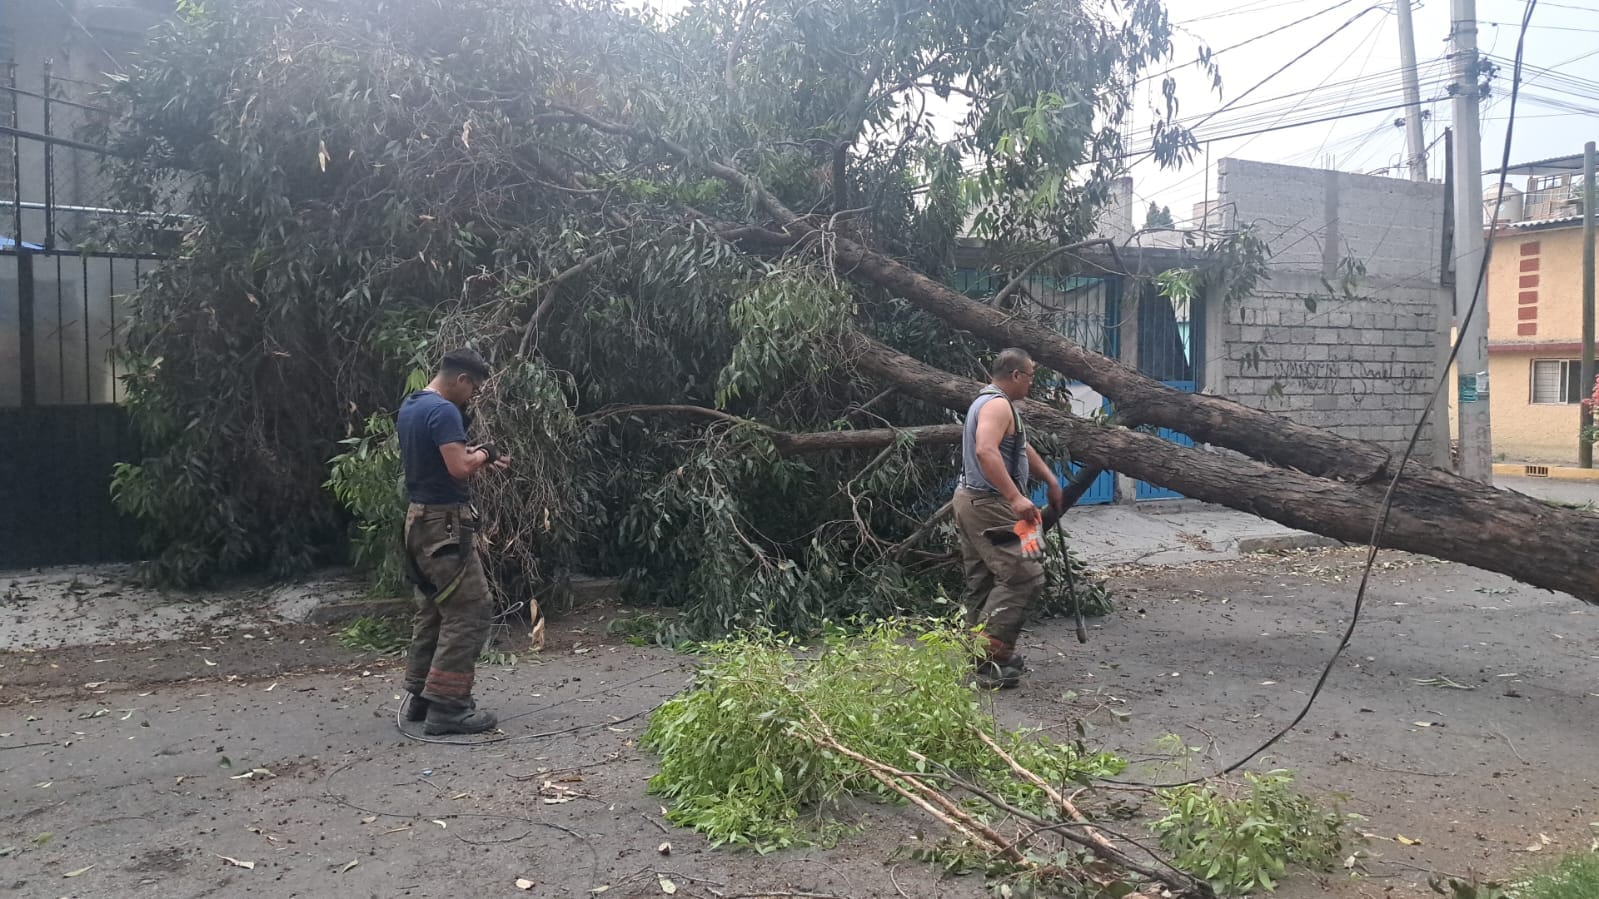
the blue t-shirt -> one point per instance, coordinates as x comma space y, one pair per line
428, 421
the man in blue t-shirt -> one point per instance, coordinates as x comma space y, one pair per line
453, 609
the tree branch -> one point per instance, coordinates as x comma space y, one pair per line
898, 550
546, 305
1206, 419
998, 300
799, 443
737, 45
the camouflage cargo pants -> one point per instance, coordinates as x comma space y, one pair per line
452, 619
1001, 586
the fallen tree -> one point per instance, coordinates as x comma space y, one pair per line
1428, 506
1320, 482
694, 290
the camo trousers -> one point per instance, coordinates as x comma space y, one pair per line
1001, 586
453, 612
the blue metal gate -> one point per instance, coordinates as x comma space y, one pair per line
1086, 310
1170, 339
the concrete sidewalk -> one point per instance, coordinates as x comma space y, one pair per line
1176, 533
99, 604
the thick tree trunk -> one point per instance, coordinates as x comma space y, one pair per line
1206, 419
1434, 512
1317, 480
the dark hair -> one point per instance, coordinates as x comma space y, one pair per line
1010, 359
464, 362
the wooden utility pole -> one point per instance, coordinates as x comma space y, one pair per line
1584, 448
1417, 160
1476, 437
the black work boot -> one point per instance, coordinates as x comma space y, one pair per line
460, 719
996, 675
416, 708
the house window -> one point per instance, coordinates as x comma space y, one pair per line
1558, 381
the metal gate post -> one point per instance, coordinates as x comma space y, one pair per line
25, 330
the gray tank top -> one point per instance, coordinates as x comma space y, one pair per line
1012, 447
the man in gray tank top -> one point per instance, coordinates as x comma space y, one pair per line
1001, 585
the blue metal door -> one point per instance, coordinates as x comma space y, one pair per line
1084, 309
1169, 342
1146, 490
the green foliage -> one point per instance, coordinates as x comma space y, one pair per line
369, 482
639, 630
736, 763
1235, 264
1158, 217
1243, 838
366, 185
1573, 877
387, 636
1064, 591
782, 321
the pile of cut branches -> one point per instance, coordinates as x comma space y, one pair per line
761, 752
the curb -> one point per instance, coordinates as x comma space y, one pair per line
349, 610
1552, 472
1281, 543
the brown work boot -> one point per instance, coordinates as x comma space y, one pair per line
462, 719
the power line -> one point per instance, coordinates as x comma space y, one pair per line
1370, 46
1367, 88
1214, 53
1255, 8
1286, 126
1569, 6
1545, 27
1289, 64
1386, 508
1303, 96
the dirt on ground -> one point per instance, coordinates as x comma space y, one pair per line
268, 761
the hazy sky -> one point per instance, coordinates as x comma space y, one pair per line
1359, 69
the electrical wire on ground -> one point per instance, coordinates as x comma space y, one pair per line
1399, 469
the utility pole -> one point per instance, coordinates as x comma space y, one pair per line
1417, 161
1476, 436
1584, 448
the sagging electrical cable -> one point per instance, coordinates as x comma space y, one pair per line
1415, 436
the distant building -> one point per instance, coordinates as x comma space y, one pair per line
1534, 293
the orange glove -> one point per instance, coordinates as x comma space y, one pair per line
1031, 538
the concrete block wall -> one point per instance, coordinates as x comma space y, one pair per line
1363, 365
1313, 218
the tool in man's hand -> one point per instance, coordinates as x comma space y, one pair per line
1032, 537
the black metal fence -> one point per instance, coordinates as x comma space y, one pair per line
62, 428
63, 315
